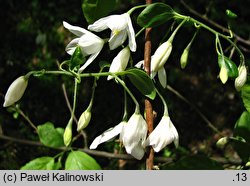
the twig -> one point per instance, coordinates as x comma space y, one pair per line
224, 29
210, 125
148, 104
88, 151
26, 118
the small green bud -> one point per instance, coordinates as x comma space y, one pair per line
184, 58
67, 136
84, 120
231, 14
15, 91
242, 78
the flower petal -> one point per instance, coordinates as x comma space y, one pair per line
70, 48
88, 62
90, 45
162, 77
117, 40
100, 24
140, 64
107, 135
78, 31
131, 34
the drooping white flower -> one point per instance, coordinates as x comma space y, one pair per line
15, 91
242, 78
121, 27
89, 43
107, 135
164, 134
120, 62
133, 135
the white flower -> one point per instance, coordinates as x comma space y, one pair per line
133, 135
120, 62
121, 27
89, 43
84, 120
242, 78
164, 134
15, 91
107, 135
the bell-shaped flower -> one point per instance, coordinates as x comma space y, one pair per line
107, 135
15, 91
121, 27
242, 78
89, 43
84, 120
120, 62
133, 135
164, 134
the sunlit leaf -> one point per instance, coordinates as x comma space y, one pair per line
242, 126
142, 82
155, 15
78, 160
96, 9
50, 136
245, 95
231, 67
42, 163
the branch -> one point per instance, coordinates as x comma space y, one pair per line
224, 29
210, 125
88, 151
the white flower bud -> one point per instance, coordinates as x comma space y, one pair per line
84, 120
223, 75
242, 78
15, 91
67, 136
221, 143
184, 58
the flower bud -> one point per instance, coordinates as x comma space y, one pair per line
84, 120
223, 75
221, 143
67, 136
242, 78
15, 91
184, 58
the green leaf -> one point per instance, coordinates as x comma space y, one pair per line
76, 59
242, 126
155, 15
195, 162
42, 163
142, 82
50, 136
231, 67
245, 95
96, 9
78, 160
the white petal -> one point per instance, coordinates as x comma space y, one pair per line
70, 48
90, 45
140, 64
117, 22
100, 24
117, 40
88, 62
162, 77
137, 152
131, 34
78, 31
107, 135
120, 62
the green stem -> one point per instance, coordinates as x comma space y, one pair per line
125, 115
137, 106
140, 31
242, 58
74, 99
136, 7
164, 102
171, 38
